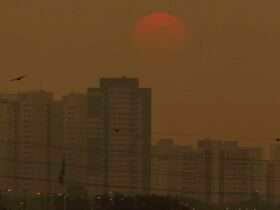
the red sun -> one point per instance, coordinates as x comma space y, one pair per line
160, 30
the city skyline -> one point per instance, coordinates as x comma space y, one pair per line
101, 141
139, 105
184, 136
224, 81
101, 138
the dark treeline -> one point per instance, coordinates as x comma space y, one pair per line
155, 202
78, 199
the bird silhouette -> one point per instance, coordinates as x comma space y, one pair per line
18, 78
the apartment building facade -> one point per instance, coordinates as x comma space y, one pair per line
119, 132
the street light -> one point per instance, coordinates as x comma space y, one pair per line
40, 198
65, 200
8, 197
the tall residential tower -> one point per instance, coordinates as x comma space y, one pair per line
119, 136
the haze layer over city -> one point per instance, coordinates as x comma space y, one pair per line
139, 105
223, 83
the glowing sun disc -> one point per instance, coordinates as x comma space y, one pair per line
160, 30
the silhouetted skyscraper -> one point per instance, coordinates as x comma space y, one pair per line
33, 141
31, 136
74, 137
119, 135
232, 173
56, 145
167, 167
273, 180
8, 140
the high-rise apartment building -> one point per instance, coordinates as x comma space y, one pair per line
56, 146
119, 135
33, 141
273, 175
35, 134
195, 175
211, 152
233, 173
167, 167
74, 137
8, 140
244, 174
216, 172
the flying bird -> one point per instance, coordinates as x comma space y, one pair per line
18, 78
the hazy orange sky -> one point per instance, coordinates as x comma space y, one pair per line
224, 84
